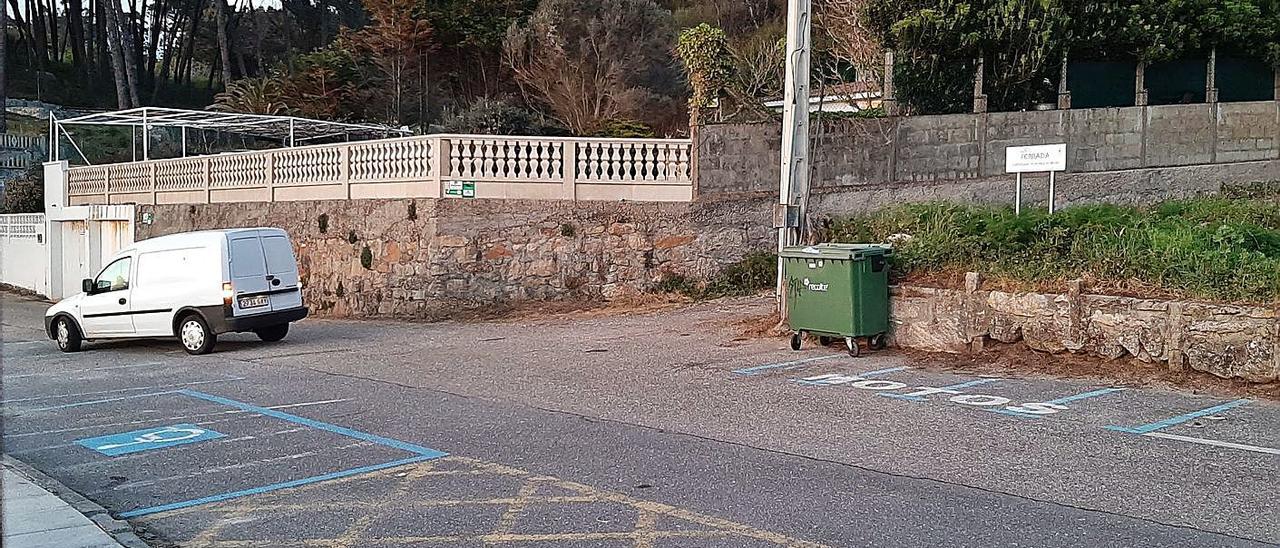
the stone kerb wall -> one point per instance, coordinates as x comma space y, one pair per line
1228, 341
430, 258
1129, 155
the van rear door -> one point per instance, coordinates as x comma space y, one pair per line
282, 270
248, 274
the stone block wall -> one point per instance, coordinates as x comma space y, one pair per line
1228, 341
962, 156
430, 258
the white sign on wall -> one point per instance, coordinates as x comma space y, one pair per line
1035, 159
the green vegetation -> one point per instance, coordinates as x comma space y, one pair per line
1213, 248
754, 273
24, 194
1024, 43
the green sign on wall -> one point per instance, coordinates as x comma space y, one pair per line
460, 189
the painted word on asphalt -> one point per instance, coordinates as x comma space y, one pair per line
997, 404
146, 440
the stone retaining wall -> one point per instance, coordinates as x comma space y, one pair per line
429, 258
1229, 341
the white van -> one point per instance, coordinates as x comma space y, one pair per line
192, 286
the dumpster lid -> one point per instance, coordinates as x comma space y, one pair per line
836, 251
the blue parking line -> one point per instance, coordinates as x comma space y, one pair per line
1173, 421
417, 449
1060, 401
269, 488
1086, 395
788, 365
969, 384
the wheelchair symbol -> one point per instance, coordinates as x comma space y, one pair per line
168, 434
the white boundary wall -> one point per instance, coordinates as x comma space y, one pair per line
24, 252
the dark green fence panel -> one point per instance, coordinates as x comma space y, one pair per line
1177, 82
1100, 84
1244, 80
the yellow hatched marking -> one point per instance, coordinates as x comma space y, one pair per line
644, 534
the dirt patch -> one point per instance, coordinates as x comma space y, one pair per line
1004, 359
570, 309
1124, 372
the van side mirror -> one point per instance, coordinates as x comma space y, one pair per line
86, 285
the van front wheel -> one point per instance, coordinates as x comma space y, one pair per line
273, 333
195, 335
68, 336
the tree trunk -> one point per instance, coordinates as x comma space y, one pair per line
117, 56
127, 51
170, 53
54, 45
4, 61
35, 16
159, 12
23, 36
75, 29
196, 14
224, 45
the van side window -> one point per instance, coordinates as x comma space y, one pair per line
114, 277
246, 258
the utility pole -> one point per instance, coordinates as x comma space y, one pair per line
793, 197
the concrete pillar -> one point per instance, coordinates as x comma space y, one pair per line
1211, 78
979, 98
1140, 85
889, 97
1064, 93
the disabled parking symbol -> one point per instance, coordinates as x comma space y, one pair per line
148, 439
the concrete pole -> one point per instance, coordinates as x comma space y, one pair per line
1140, 85
793, 195
979, 98
889, 96
290, 132
1211, 78
1064, 92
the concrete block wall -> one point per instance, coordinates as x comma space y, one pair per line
965, 152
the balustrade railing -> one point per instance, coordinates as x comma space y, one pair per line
424, 166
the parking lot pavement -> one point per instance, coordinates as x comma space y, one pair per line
655, 429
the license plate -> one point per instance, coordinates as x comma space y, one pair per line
253, 302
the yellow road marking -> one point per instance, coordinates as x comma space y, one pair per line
644, 534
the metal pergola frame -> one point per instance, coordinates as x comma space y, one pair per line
290, 130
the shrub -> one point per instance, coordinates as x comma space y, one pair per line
1210, 248
25, 194
754, 273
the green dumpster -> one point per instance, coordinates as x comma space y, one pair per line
838, 291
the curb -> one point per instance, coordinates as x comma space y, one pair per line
120, 530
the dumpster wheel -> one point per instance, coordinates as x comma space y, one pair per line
796, 338
878, 342
852, 344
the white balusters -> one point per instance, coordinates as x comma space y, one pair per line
633, 163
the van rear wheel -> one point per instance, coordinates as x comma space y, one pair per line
195, 335
273, 333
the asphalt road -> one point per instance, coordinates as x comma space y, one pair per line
655, 429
